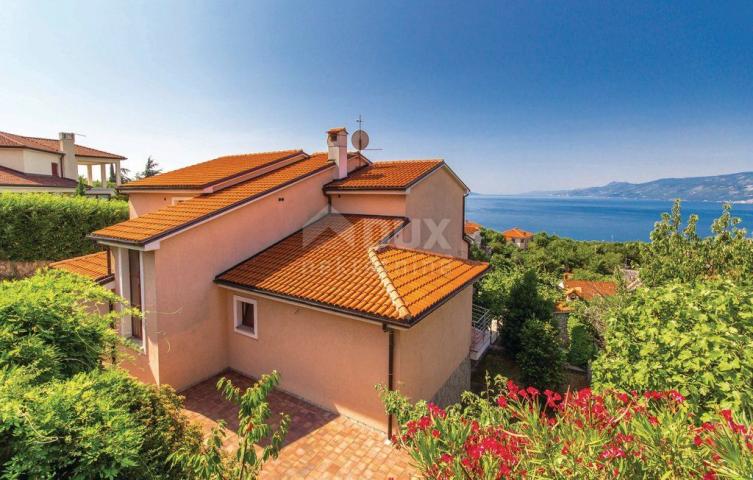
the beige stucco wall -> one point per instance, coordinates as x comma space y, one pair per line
140, 203
192, 342
329, 360
29, 161
369, 203
429, 352
436, 198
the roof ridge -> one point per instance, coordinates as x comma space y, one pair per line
397, 300
435, 254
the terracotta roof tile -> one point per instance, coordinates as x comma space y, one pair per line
10, 177
395, 175
516, 232
166, 220
588, 289
213, 171
51, 145
471, 227
93, 266
339, 262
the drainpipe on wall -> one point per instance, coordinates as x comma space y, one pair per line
390, 371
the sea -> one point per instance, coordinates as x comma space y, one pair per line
604, 219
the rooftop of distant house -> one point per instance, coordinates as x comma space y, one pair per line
471, 228
516, 232
93, 266
14, 178
51, 145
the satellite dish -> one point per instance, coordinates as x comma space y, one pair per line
360, 139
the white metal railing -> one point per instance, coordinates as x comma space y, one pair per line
484, 332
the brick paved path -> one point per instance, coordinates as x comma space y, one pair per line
320, 444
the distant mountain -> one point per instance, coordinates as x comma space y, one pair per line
734, 187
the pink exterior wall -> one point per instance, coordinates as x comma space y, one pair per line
436, 198
369, 204
327, 359
140, 203
192, 342
428, 353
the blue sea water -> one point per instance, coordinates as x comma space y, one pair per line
590, 218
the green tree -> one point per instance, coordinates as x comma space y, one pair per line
211, 462
81, 187
678, 253
151, 168
541, 357
693, 337
523, 303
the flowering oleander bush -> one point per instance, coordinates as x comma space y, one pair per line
512, 432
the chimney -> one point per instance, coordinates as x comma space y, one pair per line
69, 164
337, 147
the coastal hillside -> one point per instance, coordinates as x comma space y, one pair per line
735, 187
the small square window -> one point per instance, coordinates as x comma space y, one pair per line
245, 316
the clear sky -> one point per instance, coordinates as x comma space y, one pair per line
516, 96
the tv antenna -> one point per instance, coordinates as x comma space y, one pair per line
360, 139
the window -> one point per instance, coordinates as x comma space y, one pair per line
134, 281
55, 170
244, 311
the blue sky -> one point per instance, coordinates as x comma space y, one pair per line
516, 96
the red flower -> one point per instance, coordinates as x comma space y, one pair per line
435, 433
698, 440
533, 391
502, 401
709, 476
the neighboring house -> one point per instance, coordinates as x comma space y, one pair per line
519, 238
33, 164
575, 290
473, 232
335, 271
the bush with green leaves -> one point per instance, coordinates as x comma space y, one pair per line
40, 226
696, 338
583, 347
541, 358
678, 253
64, 413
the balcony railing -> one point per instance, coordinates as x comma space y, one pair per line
484, 331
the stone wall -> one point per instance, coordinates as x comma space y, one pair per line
10, 270
458, 382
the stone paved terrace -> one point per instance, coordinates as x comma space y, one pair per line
320, 444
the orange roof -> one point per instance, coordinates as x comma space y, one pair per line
395, 175
588, 289
516, 232
211, 172
166, 220
14, 178
471, 227
93, 266
11, 140
339, 262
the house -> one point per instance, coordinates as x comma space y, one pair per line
473, 232
519, 238
33, 164
584, 290
337, 272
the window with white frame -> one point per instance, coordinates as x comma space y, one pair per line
245, 316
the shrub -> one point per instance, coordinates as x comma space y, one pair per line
101, 424
505, 434
697, 338
582, 348
47, 324
541, 358
52, 227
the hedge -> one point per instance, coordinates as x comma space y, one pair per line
41, 226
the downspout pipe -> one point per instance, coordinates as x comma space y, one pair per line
390, 370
